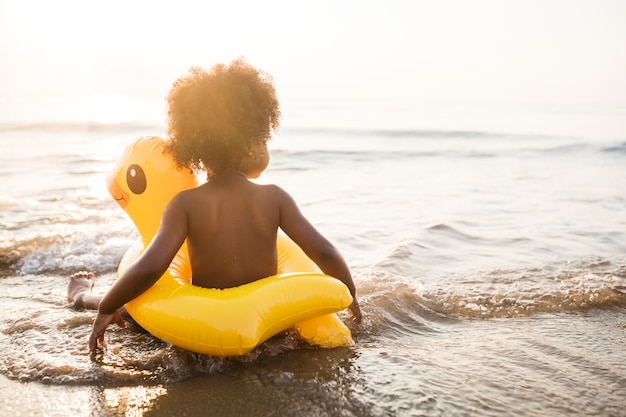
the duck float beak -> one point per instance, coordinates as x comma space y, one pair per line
120, 196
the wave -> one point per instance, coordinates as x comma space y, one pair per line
387, 142
79, 126
354, 143
82, 125
421, 133
131, 126
595, 292
616, 148
407, 152
399, 309
63, 254
558, 286
397, 312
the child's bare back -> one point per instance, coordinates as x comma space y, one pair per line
232, 227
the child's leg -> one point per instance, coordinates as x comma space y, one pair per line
79, 291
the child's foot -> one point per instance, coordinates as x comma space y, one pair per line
81, 284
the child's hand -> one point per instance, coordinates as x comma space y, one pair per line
355, 309
99, 326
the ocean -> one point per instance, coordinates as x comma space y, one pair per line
487, 243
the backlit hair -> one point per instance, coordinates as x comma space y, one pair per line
215, 116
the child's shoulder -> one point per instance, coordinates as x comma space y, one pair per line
271, 189
278, 195
271, 193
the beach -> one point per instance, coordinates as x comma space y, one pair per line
487, 243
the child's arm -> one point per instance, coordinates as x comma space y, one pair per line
316, 246
142, 274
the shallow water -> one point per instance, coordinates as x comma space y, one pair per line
491, 268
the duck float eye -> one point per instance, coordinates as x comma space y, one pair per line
136, 179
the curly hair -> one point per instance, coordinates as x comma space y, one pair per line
215, 116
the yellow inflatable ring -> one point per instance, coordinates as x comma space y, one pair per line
217, 322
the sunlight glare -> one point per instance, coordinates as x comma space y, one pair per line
112, 108
133, 401
109, 108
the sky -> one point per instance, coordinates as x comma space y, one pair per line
473, 51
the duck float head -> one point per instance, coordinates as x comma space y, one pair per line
144, 181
